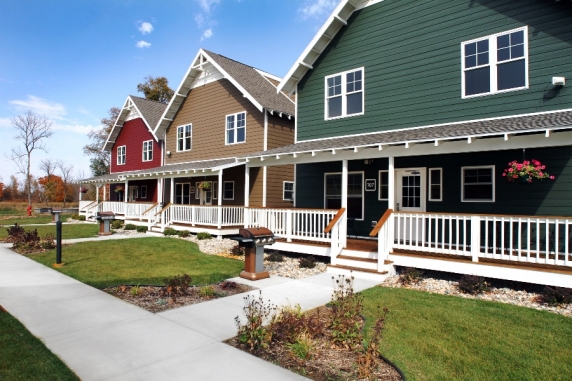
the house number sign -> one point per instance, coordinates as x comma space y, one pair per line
370, 185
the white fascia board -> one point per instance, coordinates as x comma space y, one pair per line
114, 132
144, 120
265, 74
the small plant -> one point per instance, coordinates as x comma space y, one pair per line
141, 229
183, 233
410, 275
275, 256
527, 170
205, 185
74, 216
555, 296
169, 232
130, 227
29, 241
207, 292
370, 349
48, 242
303, 347
237, 250
204, 235
289, 323
471, 284
229, 285
118, 189
177, 285
346, 309
135, 291
307, 262
15, 233
253, 334
117, 224
81, 218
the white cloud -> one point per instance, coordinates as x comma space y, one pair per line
207, 4
207, 34
5, 122
145, 27
40, 106
200, 20
75, 128
316, 8
142, 44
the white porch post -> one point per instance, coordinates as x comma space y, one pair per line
104, 192
264, 185
344, 223
246, 186
172, 192
80, 186
159, 191
391, 184
126, 194
220, 195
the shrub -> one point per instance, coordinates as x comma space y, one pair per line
307, 262
303, 347
183, 233
410, 275
117, 224
29, 241
135, 291
471, 284
237, 250
74, 216
15, 233
130, 227
204, 235
81, 218
169, 232
275, 256
290, 323
229, 285
48, 242
253, 334
207, 291
177, 285
346, 309
141, 229
554, 296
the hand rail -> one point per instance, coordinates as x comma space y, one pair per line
165, 208
334, 220
381, 222
152, 207
87, 206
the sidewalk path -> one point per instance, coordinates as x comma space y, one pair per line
101, 337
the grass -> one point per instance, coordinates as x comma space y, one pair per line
69, 231
24, 357
437, 337
18, 208
38, 219
140, 261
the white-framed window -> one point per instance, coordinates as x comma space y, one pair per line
215, 190
228, 190
121, 155
236, 128
198, 191
495, 64
183, 193
435, 184
148, 150
383, 194
288, 190
184, 137
344, 94
333, 193
478, 184
143, 191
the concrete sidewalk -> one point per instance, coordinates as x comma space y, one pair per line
101, 337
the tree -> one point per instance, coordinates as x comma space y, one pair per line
156, 89
1, 188
66, 171
52, 188
32, 129
98, 138
98, 167
49, 167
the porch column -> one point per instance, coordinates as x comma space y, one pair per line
246, 185
126, 193
104, 192
220, 188
264, 185
80, 186
391, 184
97, 193
172, 193
344, 223
159, 191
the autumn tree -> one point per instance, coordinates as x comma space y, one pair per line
100, 159
48, 166
53, 184
1, 188
156, 89
66, 175
31, 130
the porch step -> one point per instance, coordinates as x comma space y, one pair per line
358, 272
360, 254
357, 262
154, 233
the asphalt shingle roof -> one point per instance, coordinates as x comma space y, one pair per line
151, 110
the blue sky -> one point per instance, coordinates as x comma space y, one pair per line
73, 60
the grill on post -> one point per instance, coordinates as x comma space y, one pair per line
56, 214
253, 240
105, 219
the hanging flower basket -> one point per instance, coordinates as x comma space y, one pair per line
118, 189
83, 190
205, 185
526, 171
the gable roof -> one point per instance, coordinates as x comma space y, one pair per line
336, 21
254, 84
149, 111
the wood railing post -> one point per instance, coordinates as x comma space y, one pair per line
335, 245
288, 226
193, 215
246, 217
219, 211
475, 237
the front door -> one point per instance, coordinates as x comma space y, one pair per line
133, 193
206, 195
410, 196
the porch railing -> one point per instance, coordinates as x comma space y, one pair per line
337, 228
383, 230
136, 209
84, 204
91, 209
217, 216
116, 207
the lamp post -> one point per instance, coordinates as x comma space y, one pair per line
58, 241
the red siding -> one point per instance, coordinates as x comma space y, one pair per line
132, 135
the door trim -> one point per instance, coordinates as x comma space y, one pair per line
398, 182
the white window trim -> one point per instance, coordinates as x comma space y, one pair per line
223, 190
362, 190
284, 190
143, 187
177, 140
182, 187
379, 198
440, 184
215, 190
122, 155
197, 191
463, 182
234, 128
493, 63
344, 94
149, 150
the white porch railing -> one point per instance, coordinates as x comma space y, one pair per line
135, 210
219, 216
535, 239
83, 204
116, 207
91, 209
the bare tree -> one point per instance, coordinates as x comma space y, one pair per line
31, 129
67, 173
100, 159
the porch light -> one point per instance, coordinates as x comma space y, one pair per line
558, 81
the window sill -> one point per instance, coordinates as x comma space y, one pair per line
493, 93
344, 116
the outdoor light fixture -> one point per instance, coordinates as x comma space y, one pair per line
558, 81
169, 153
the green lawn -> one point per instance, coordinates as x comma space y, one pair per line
39, 219
24, 357
140, 261
436, 337
68, 231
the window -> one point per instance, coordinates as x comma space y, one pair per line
478, 184
197, 191
288, 190
496, 63
121, 155
435, 184
228, 190
183, 193
383, 185
148, 150
184, 137
333, 193
344, 94
215, 190
236, 128
143, 191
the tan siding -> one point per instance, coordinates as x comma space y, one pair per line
274, 185
280, 131
206, 108
255, 198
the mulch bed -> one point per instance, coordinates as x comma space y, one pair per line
156, 299
327, 362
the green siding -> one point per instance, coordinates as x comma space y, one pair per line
411, 51
546, 197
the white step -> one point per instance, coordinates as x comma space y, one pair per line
357, 273
360, 254
357, 262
